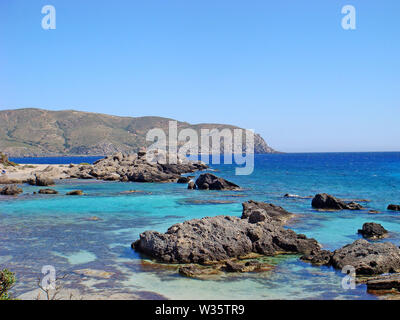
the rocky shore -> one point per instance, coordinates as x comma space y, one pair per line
118, 167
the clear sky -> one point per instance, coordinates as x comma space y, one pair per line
284, 68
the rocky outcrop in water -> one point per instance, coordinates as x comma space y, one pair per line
41, 180
75, 193
208, 181
393, 207
368, 258
135, 168
11, 190
318, 257
371, 230
223, 238
48, 191
277, 213
327, 202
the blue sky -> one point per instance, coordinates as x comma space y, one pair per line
284, 68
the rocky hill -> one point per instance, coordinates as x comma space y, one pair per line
37, 132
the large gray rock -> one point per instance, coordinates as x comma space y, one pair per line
327, 202
221, 238
208, 181
275, 212
368, 258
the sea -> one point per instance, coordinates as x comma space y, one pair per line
95, 231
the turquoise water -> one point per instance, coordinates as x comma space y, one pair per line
58, 230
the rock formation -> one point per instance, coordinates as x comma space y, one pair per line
367, 258
371, 230
327, 202
277, 213
134, 167
223, 238
208, 181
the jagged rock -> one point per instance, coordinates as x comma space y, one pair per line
393, 207
275, 212
371, 230
75, 193
48, 191
208, 181
221, 238
11, 191
327, 202
368, 258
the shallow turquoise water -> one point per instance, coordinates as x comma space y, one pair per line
37, 230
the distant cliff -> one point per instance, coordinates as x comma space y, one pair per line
37, 132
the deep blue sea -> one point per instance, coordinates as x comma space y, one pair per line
37, 230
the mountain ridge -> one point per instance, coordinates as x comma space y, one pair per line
39, 132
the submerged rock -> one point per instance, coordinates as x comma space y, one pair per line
393, 207
75, 193
48, 191
368, 258
327, 202
208, 181
222, 238
288, 195
371, 230
11, 190
318, 257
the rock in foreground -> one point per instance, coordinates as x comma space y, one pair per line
327, 202
371, 230
208, 181
222, 238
